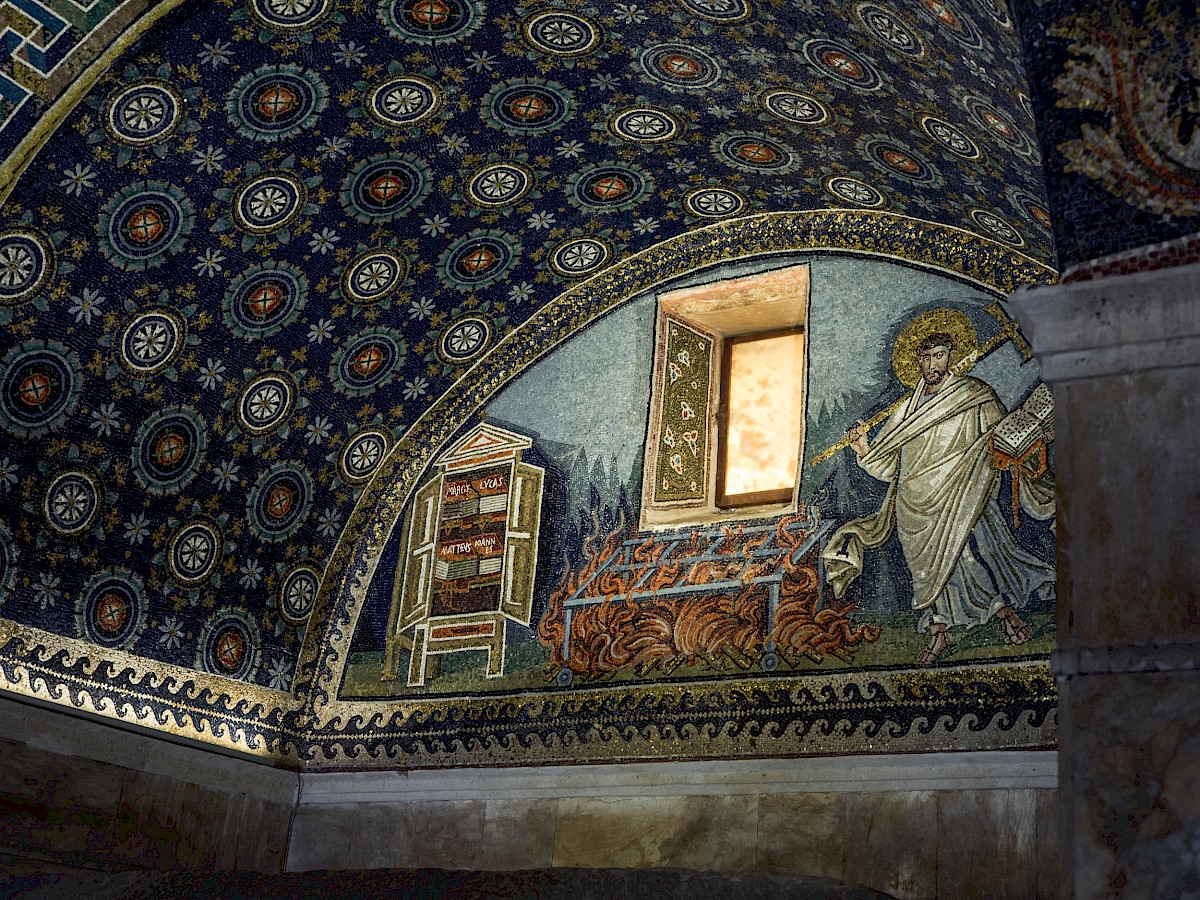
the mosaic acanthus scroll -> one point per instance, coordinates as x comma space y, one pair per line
1116, 99
1145, 155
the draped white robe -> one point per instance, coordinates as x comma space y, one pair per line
935, 453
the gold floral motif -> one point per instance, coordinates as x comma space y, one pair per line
235, 714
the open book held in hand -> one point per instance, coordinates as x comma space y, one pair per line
1025, 425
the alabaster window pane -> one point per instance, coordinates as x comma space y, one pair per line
765, 407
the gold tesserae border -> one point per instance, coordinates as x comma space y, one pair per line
991, 705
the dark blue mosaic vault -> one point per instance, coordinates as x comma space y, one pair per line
277, 230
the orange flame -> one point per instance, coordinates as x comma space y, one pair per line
614, 635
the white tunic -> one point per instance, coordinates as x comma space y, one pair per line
935, 452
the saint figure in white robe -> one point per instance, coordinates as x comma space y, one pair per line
935, 453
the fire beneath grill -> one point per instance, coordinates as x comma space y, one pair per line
728, 598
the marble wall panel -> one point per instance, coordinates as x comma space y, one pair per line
75, 809
80, 792
711, 833
892, 842
1133, 784
1049, 857
803, 833
1000, 824
886, 826
54, 804
953, 844
517, 834
439, 835
1129, 496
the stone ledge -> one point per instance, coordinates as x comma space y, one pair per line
1123, 659
49, 730
1113, 326
908, 772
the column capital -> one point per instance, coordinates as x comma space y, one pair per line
1113, 326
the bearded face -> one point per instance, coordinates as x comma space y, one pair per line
935, 364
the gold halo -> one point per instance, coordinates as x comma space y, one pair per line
951, 321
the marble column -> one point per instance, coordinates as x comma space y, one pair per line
1122, 356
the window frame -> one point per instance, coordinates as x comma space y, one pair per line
721, 310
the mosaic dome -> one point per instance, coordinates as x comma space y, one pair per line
268, 235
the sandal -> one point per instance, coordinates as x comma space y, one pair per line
1016, 629
939, 643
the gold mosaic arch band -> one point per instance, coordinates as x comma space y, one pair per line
30, 145
237, 728
904, 239
254, 720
